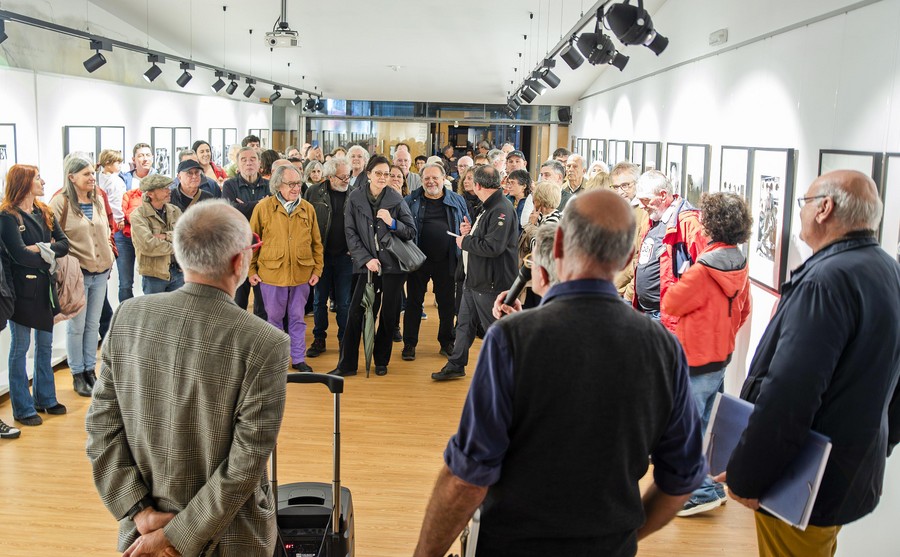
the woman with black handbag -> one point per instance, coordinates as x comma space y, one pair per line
33, 239
375, 214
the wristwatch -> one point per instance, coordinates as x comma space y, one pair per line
144, 503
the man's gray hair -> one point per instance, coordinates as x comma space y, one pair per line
358, 149
494, 154
242, 149
278, 177
576, 156
652, 183
853, 211
556, 167
542, 250
584, 238
626, 167
331, 166
184, 153
208, 236
437, 165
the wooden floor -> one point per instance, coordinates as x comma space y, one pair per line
394, 432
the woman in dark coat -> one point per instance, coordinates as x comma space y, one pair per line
27, 226
373, 213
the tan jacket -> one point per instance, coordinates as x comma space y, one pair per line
624, 280
292, 248
88, 239
153, 255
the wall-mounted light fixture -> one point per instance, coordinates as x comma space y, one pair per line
154, 71
94, 63
220, 83
250, 88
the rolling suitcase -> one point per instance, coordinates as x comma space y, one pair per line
312, 520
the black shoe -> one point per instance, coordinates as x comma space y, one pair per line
342, 373
81, 385
332, 308
302, 367
55, 410
90, 377
446, 350
316, 348
398, 336
30, 420
7, 432
448, 372
409, 353
380, 370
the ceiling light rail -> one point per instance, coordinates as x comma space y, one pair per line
97, 60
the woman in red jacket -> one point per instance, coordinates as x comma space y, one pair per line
712, 301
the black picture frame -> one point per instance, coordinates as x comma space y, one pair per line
596, 151
582, 148
220, 141
735, 176
93, 139
772, 173
165, 144
646, 154
868, 162
8, 152
264, 135
890, 221
692, 171
618, 151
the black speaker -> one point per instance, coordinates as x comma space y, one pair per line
565, 114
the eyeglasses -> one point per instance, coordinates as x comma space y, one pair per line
343, 178
257, 241
292, 185
622, 186
380, 174
801, 201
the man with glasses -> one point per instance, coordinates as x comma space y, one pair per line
671, 242
188, 404
244, 192
187, 193
829, 361
555, 172
623, 178
329, 199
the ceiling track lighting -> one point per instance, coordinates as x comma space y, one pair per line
220, 83
185, 77
154, 71
598, 49
539, 88
232, 87
632, 26
250, 88
547, 75
276, 95
528, 94
297, 99
3, 35
96, 61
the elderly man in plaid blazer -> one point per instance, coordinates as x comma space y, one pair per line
188, 404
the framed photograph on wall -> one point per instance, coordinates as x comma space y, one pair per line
113, 137
696, 173
618, 152
597, 151
220, 141
771, 192
646, 154
869, 164
674, 165
734, 177
161, 144
582, 148
231, 138
182, 141
890, 222
7, 152
82, 139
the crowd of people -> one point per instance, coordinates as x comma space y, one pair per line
616, 252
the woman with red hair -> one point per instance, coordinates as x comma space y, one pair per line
33, 240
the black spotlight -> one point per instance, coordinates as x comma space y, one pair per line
154, 70
310, 104
217, 86
185, 77
3, 35
232, 87
547, 75
513, 103
296, 100
276, 95
571, 56
599, 49
632, 25
538, 87
320, 105
250, 88
528, 94
93, 63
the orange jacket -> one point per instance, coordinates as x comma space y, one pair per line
130, 201
712, 301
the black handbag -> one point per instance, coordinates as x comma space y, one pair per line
406, 252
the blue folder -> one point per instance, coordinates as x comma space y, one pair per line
792, 496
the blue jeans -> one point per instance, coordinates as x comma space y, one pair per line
125, 265
703, 391
337, 276
82, 331
153, 285
43, 384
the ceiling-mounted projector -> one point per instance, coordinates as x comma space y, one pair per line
282, 38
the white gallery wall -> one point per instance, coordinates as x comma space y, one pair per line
41, 105
804, 74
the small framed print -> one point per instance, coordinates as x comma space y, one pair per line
734, 176
7, 152
80, 139
771, 192
182, 140
618, 151
161, 144
646, 154
597, 151
674, 165
263, 135
695, 180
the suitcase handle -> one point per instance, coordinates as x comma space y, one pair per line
334, 383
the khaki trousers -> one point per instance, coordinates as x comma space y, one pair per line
777, 538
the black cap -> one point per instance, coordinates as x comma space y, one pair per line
517, 153
188, 164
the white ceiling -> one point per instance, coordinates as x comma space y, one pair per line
464, 51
